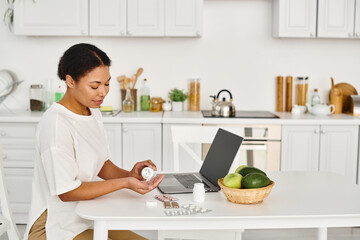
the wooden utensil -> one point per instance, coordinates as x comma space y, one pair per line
133, 80
288, 97
127, 82
121, 80
336, 97
280, 94
137, 74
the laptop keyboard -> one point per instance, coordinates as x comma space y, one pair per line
188, 181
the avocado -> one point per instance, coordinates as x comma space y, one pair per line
255, 180
246, 170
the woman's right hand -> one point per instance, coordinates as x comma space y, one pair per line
144, 187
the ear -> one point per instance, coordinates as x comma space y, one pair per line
70, 82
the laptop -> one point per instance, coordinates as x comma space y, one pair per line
216, 165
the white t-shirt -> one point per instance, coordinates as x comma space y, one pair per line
70, 149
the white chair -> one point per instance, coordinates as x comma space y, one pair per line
182, 136
6, 219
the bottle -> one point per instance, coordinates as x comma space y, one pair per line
199, 192
145, 97
315, 99
36, 97
59, 94
148, 173
128, 103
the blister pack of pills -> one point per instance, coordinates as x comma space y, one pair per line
187, 209
165, 197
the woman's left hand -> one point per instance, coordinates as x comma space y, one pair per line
136, 171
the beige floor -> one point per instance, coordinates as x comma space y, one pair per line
281, 234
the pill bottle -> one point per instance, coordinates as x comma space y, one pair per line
148, 173
199, 192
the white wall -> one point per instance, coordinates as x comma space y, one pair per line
237, 52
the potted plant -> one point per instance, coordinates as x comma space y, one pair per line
177, 97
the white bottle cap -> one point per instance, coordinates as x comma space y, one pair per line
148, 173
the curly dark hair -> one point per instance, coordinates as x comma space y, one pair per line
80, 59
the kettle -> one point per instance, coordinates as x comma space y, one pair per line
321, 109
222, 108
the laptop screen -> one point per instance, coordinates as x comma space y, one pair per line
220, 156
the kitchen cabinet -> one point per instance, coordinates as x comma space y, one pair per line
141, 142
294, 18
183, 17
114, 135
109, 18
316, 18
146, 18
18, 144
51, 17
186, 161
320, 148
336, 18
357, 19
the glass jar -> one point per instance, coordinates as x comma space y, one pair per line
302, 88
128, 103
156, 104
36, 97
194, 94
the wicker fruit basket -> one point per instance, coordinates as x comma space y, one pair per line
246, 196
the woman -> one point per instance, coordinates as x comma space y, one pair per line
72, 150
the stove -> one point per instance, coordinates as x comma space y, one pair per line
244, 114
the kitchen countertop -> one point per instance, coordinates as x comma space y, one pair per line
197, 118
285, 119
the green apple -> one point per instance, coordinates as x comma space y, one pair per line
233, 180
239, 168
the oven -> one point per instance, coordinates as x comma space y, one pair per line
260, 148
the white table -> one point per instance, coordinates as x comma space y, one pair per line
298, 200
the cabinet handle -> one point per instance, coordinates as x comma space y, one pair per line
83, 32
312, 35
322, 131
358, 34
198, 34
350, 34
122, 33
3, 133
129, 33
4, 156
125, 130
316, 131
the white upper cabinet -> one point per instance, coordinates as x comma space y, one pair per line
184, 17
294, 18
51, 17
357, 19
146, 18
336, 18
108, 18
316, 18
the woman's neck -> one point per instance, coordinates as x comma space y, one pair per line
74, 106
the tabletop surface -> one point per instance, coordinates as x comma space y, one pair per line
295, 194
